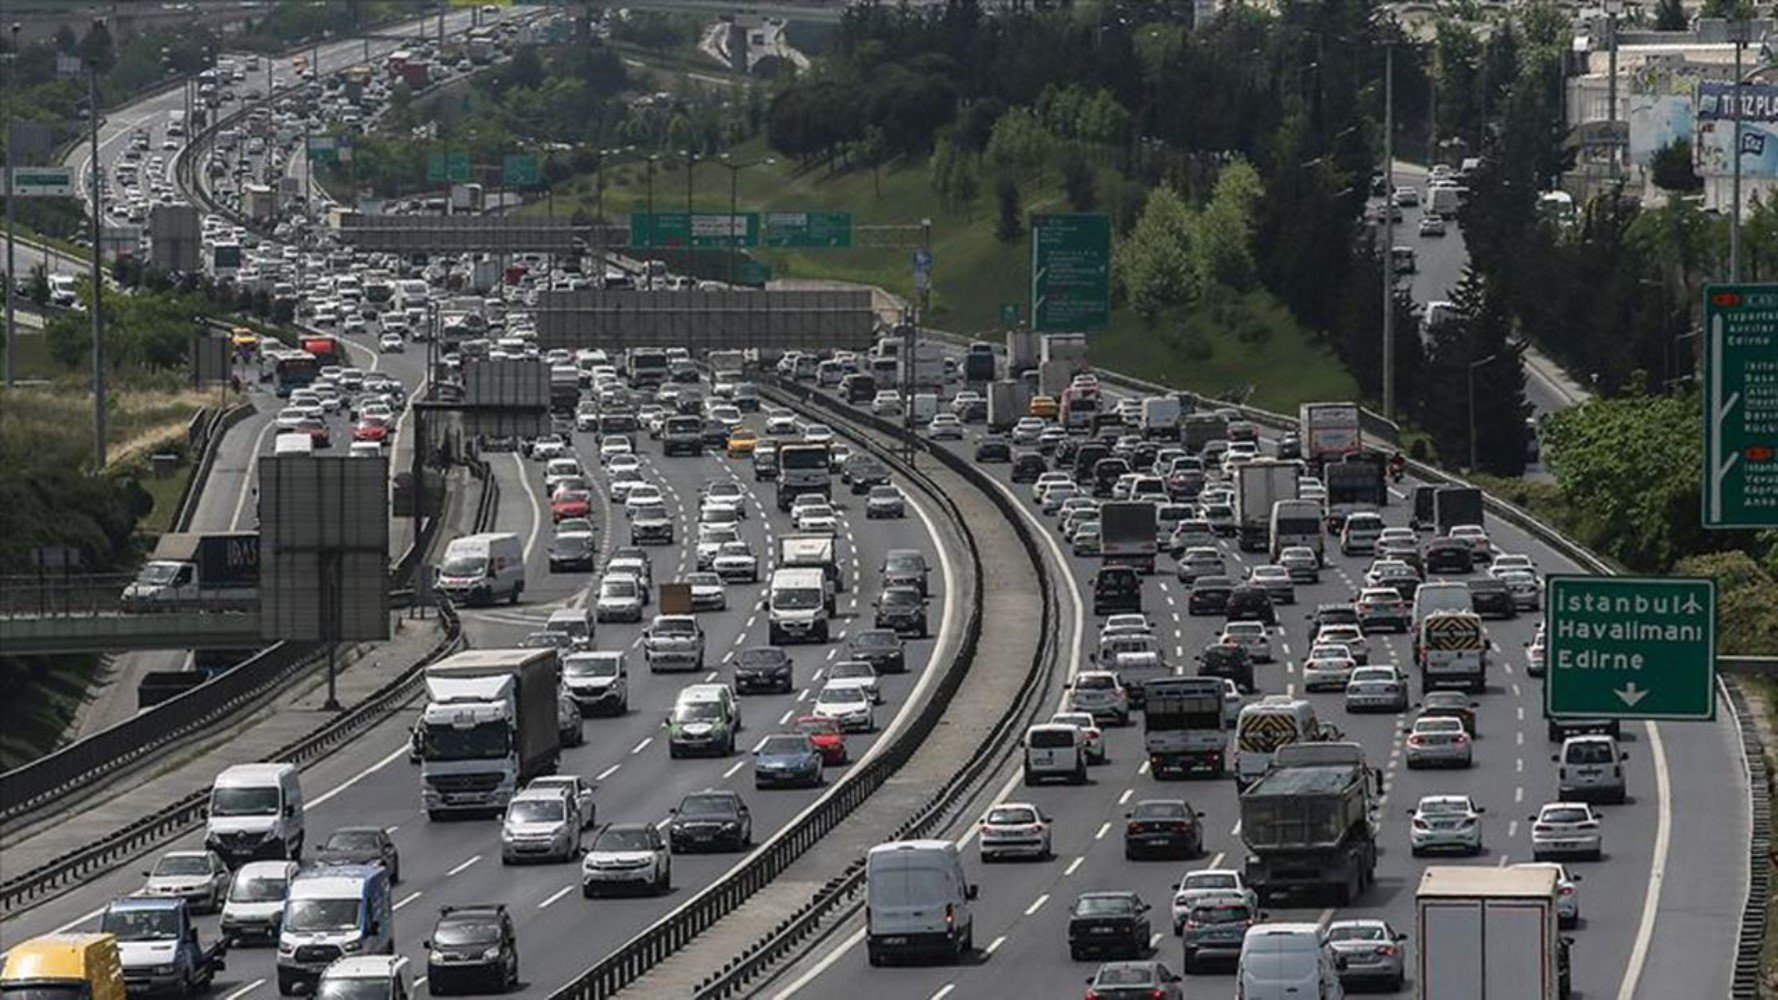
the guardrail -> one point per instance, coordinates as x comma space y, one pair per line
841, 892
86, 761
654, 944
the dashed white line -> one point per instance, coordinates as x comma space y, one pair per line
735, 767
608, 772
638, 748
1104, 828
1074, 866
473, 859
1121, 799
944, 991
410, 897
994, 945
784, 719
1037, 904
558, 894
243, 991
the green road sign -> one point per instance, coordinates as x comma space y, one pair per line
702, 230
1009, 314
323, 149
1070, 273
1741, 406
457, 167
808, 229
1629, 648
521, 170
42, 182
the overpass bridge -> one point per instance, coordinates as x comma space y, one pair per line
78, 614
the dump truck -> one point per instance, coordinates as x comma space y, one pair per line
191, 569
1184, 729
1127, 535
1258, 485
1488, 933
488, 727
1308, 822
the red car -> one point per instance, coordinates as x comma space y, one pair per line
371, 430
318, 433
827, 737
571, 503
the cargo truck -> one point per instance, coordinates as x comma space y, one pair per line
1488, 933
1127, 535
978, 363
803, 468
1452, 650
327, 350
1355, 483
1199, 429
215, 570
1066, 348
1184, 729
928, 367
1309, 824
1160, 418
1258, 485
1329, 432
1023, 351
1007, 402
488, 727
1454, 505
813, 551
564, 388
159, 947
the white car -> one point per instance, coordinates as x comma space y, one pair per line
1525, 587
1567, 892
1511, 561
1013, 829
559, 470
1328, 667
1027, 430
1476, 537
781, 424
735, 561
858, 672
1206, 883
198, 877
613, 445
1439, 741
620, 599
1251, 636
711, 539
1446, 823
1126, 624
1566, 830
847, 704
887, 403
623, 464
1089, 729
1232, 702
815, 517
707, 592
1349, 636
1377, 688
625, 855
1098, 693
727, 492
945, 427
391, 343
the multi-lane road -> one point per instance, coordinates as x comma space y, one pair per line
1660, 912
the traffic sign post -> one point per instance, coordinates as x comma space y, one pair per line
1070, 273
521, 170
831, 230
42, 182
1629, 648
699, 231
922, 270
1741, 406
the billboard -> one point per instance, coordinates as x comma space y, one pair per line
723, 319
324, 548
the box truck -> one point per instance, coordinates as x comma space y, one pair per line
1488, 933
1329, 432
1259, 485
488, 727
213, 569
1127, 535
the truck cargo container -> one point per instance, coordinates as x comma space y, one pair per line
1184, 728
1308, 822
1488, 933
1024, 351
1454, 505
978, 363
489, 726
209, 569
1329, 432
1127, 535
1008, 401
1258, 485
1198, 429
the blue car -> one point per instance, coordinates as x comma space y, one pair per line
787, 759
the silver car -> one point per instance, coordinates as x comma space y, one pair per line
1214, 929
1200, 560
198, 877
1438, 741
1381, 689
1374, 952
1446, 823
1301, 563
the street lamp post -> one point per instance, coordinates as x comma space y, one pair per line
1613, 8
1389, 230
649, 239
1473, 365
97, 305
1768, 61
12, 278
691, 163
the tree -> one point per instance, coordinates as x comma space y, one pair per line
1670, 16
65, 40
1672, 167
1019, 145
1225, 228
38, 290
97, 49
526, 69
1155, 262
1079, 182
1473, 347
1012, 222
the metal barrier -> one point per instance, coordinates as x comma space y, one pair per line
654, 944
841, 892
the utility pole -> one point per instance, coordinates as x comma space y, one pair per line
98, 311
12, 276
1389, 230
1612, 9
691, 162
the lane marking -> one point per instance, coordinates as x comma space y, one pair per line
1657, 870
944, 991
531, 499
356, 778
1125, 798
558, 894
1104, 828
638, 748
608, 772
995, 944
1074, 865
472, 860
243, 991
1033, 908
410, 897
736, 767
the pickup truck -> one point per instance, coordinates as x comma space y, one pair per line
158, 943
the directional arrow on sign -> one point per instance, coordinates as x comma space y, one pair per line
1630, 694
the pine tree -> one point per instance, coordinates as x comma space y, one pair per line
1478, 331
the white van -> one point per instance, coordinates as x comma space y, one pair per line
255, 905
797, 608
1440, 595
481, 569
295, 443
256, 811
1287, 962
925, 408
1053, 750
330, 912
917, 901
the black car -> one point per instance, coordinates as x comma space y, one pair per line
1027, 466
458, 952
879, 647
1117, 590
713, 819
572, 552
1166, 828
863, 472
1332, 614
1106, 473
1491, 599
1289, 447
1108, 923
1227, 660
1450, 705
1209, 595
716, 434
361, 845
993, 448
903, 610
763, 668
1251, 604
1448, 555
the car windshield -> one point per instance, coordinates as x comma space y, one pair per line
352, 988
244, 802
675, 626
617, 588
703, 580
696, 711
464, 566
1590, 753
1103, 906
1219, 913
1095, 682
777, 745
311, 915
258, 889
1211, 880
1160, 810
884, 493
623, 840
591, 666
537, 810
900, 598
141, 925
1012, 815
182, 864
840, 695
352, 840
796, 599
875, 640
1444, 807
457, 933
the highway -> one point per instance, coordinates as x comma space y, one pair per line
458, 862
1664, 904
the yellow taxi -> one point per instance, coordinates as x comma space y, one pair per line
741, 442
1044, 406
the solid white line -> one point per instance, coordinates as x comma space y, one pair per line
472, 860
1033, 908
558, 894
410, 897
827, 962
243, 991
531, 500
252, 466
1657, 869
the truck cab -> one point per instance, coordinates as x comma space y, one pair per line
159, 947
329, 913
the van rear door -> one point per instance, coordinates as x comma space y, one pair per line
910, 897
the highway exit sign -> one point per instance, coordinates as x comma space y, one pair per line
1621, 647
1741, 406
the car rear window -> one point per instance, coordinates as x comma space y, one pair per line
1052, 739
